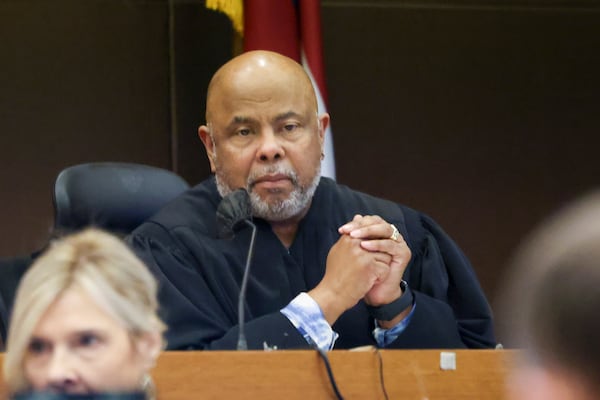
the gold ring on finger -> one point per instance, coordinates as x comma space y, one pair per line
395, 234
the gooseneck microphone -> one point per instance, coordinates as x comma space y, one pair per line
233, 213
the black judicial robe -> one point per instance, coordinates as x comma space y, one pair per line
200, 275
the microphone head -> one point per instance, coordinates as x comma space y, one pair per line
233, 210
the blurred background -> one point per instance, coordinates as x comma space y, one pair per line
483, 114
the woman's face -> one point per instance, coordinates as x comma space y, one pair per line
77, 347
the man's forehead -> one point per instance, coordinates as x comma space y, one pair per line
250, 96
241, 119
267, 105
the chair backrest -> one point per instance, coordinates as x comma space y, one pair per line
114, 196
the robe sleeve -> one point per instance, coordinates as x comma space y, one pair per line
451, 309
199, 313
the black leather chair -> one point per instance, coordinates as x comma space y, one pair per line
113, 196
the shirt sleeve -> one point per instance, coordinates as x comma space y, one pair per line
306, 315
384, 337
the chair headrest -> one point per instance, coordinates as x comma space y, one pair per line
112, 195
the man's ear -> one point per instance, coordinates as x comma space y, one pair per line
209, 145
149, 345
323, 122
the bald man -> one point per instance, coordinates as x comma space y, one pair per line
332, 268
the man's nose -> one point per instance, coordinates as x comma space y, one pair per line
62, 371
270, 147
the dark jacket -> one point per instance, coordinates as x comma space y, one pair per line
200, 275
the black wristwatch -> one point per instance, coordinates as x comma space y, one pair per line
388, 312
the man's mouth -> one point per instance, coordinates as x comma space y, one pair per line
271, 181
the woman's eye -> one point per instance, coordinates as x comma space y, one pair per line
88, 339
37, 346
244, 132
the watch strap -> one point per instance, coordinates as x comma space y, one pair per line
388, 312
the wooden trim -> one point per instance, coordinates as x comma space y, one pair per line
408, 374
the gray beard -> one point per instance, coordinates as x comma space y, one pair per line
280, 210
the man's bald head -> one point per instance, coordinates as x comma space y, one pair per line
253, 74
264, 133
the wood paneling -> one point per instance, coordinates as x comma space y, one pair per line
408, 374
482, 114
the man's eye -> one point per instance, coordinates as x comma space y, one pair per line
37, 346
244, 132
290, 127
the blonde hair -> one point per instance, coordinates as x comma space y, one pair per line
105, 268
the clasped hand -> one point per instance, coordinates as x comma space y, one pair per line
365, 263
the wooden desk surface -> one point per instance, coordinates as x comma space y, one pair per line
408, 374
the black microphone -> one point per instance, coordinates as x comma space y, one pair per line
233, 213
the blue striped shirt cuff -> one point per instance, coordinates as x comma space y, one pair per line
384, 337
306, 315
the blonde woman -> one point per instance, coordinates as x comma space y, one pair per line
85, 320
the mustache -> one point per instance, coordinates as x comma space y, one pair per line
272, 170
